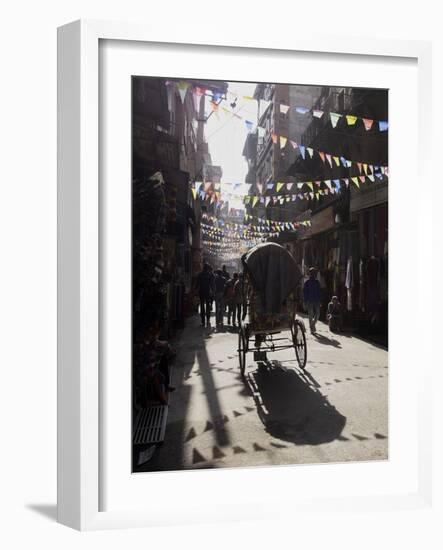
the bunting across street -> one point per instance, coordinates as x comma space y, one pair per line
336, 119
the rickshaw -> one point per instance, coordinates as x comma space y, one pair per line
269, 319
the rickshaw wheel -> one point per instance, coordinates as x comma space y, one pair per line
242, 349
299, 341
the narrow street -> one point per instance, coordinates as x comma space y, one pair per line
336, 411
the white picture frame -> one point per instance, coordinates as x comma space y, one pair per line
79, 411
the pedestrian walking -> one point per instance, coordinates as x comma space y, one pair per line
219, 285
205, 287
312, 298
227, 277
239, 300
229, 298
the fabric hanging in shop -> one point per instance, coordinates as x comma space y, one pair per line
349, 274
349, 283
349, 299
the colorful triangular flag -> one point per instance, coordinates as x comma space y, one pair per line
368, 122
335, 117
182, 89
351, 120
284, 108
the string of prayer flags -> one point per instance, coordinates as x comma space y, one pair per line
284, 108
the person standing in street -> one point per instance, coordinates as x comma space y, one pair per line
229, 298
224, 273
312, 298
240, 306
219, 284
227, 277
205, 287
334, 315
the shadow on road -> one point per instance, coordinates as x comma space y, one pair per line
192, 350
326, 340
292, 408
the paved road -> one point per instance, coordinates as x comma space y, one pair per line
337, 411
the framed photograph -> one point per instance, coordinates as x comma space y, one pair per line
231, 241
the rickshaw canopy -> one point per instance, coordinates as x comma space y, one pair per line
273, 272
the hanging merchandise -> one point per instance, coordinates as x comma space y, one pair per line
349, 283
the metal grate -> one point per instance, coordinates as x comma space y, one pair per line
150, 425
